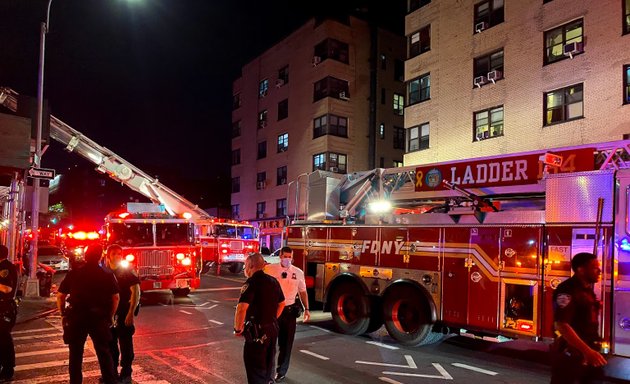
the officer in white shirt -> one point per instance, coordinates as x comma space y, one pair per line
291, 279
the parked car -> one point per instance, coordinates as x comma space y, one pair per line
53, 257
274, 258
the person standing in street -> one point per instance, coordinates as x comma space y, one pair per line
256, 319
93, 296
121, 345
8, 314
576, 313
291, 279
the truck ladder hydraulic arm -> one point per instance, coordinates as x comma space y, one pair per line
113, 165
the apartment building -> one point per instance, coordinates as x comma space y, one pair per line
315, 100
494, 77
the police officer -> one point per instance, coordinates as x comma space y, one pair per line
93, 299
8, 313
576, 313
123, 329
291, 279
260, 305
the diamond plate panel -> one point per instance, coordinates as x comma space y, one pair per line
572, 197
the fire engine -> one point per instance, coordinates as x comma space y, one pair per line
73, 242
160, 247
472, 247
226, 242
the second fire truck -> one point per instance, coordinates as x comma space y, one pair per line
226, 242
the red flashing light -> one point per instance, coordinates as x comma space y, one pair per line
525, 327
123, 215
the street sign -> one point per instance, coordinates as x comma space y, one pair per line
42, 173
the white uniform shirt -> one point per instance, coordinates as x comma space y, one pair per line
291, 284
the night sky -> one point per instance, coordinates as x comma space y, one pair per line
151, 79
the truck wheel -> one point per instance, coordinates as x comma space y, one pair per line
407, 316
235, 268
376, 314
350, 309
180, 292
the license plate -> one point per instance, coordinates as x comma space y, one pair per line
157, 285
182, 283
239, 256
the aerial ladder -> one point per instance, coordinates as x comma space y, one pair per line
113, 165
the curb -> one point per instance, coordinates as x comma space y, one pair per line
36, 316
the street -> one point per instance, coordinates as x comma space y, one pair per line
190, 340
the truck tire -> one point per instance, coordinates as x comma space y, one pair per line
407, 316
236, 268
350, 309
180, 292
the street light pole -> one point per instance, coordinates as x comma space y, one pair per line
38, 144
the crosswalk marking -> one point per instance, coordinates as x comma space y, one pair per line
41, 352
35, 337
31, 331
50, 364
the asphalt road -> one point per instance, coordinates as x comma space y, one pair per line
190, 340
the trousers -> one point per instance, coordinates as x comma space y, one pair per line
75, 335
8, 315
567, 369
286, 336
121, 348
259, 358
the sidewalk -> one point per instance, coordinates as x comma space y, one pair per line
31, 308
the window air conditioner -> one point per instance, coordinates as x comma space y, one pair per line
479, 81
316, 60
260, 185
283, 181
263, 93
573, 49
481, 26
262, 123
333, 169
342, 96
479, 136
495, 75
279, 83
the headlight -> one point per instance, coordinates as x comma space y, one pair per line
186, 261
129, 257
180, 256
124, 263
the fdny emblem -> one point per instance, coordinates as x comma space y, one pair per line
4, 273
475, 277
563, 300
433, 178
510, 252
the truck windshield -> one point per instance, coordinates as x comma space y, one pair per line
234, 232
131, 234
173, 234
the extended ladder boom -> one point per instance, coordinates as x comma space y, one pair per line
113, 165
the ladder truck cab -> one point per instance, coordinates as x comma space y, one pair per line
473, 247
160, 247
226, 242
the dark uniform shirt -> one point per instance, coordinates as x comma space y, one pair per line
263, 294
126, 279
90, 288
577, 306
8, 277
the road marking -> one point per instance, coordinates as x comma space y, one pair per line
212, 306
320, 328
388, 380
204, 304
443, 374
186, 312
382, 345
151, 334
31, 331
215, 301
35, 337
41, 352
217, 289
56, 378
476, 369
314, 354
50, 364
169, 363
197, 364
410, 363
216, 322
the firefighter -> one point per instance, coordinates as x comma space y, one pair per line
291, 279
256, 319
576, 313
93, 301
8, 314
123, 329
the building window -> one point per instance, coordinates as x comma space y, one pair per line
418, 138
281, 207
399, 104
397, 164
420, 41
283, 142
564, 104
262, 150
283, 109
564, 41
488, 14
261, 207
236, 156
415, 4
488, 124
331, 49
236, 211
488, 68
281, 175
236, 101
419, 89
331, 87
283, 76
263, 88
381, 162
262, 119
236, 184
383, 62
399, 138
626, 16
330, 125
236, 129
261, 180
399, 70
383, 95
626, 83
330, 161
381, 131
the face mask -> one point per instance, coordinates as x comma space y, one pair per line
285, 262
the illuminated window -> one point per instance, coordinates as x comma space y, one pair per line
626, 16
283, 142
397, 164
420, 41
559, 40
418, 138
381, 131
263, 88
330, 161
488, 124
419, 89
564, 104
399, 104
488, 14
262, 119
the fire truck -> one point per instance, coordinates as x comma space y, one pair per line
473, 247
160, 247
226, 242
